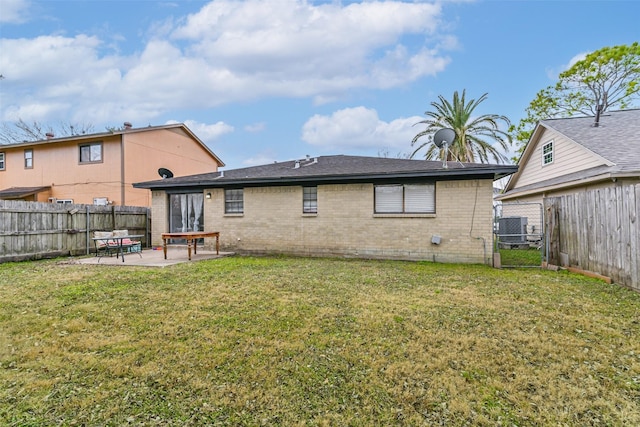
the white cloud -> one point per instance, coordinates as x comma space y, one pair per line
297, 48
228, 51
359, 128
62, 75
256, 127
207, 132
14, 11
258, 159
553, 73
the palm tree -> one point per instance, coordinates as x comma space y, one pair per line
472, 134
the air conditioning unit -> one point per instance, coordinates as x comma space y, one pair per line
52, 200
513, 229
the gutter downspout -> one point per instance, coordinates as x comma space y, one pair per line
122, 200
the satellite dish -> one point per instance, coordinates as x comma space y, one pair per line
165, 173
444, 137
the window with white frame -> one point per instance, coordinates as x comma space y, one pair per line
91, 153
233, 201
547, 153
2, 165
28, 159
309, 199
405, 199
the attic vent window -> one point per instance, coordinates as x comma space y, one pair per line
547, 153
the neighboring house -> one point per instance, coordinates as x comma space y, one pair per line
595, 167
100, 168
568, 155
338, 206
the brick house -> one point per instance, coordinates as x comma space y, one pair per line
338, 206
99, 168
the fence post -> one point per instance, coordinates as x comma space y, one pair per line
88, 233
552, 229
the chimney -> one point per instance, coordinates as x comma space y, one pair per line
127, 125
49, 135
599, 109
596, 123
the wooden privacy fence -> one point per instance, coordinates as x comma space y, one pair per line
31, 230
597, 231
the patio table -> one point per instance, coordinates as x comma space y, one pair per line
190, 237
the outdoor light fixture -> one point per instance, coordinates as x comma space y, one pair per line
208, 195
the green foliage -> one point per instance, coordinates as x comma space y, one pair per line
607, 78
474, 135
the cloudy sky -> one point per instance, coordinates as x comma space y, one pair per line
260, 81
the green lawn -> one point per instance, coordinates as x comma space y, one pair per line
296, 341
531, 257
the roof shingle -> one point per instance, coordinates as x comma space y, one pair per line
616, 138
327, 168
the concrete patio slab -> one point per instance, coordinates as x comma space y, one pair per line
176, 254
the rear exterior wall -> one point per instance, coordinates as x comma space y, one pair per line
346, 225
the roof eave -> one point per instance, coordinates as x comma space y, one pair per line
609, 176
492, 173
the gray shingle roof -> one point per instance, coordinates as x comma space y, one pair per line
338, 168
617, 138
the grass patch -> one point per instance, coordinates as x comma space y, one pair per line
297, 341
530, 257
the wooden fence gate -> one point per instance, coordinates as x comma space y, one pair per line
31, 230
596, 231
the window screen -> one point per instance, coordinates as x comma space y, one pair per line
91, 153
409, 198
310, 199
28, 159
234, 200
547, 153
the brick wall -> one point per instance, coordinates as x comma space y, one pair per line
345, 224
159, 216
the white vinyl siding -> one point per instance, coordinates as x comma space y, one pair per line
408, 198
568, 157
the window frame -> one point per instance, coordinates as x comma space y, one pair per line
548, 155
28, 160
90, 145
428, 210
228, 201
310, 200
3, 161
